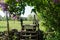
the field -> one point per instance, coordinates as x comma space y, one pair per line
12, 25
16, 25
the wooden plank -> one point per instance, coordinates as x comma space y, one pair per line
31, 25
28, 35
28, 32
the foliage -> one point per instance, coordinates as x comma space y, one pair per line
54, 36
51, 15
49, 10
17, 7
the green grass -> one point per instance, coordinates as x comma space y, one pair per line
12, 25
16, 25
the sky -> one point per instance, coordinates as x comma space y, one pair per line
2, 13
27, 12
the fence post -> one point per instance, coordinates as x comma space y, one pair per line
7, 24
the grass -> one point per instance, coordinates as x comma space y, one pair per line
12, 25
16, 25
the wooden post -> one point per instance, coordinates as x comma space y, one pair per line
35, 21
21, 21
7, 24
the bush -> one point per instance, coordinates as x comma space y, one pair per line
55, 36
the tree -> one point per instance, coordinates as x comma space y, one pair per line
17, 7
48, 9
